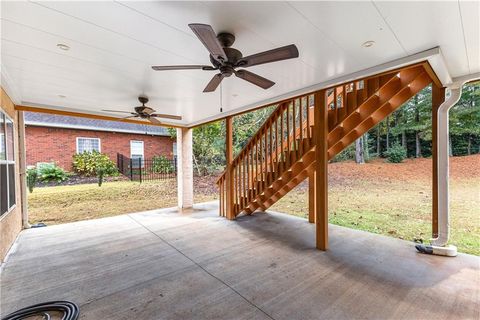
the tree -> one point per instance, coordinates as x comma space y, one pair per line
465, 119
359, 155
209, 139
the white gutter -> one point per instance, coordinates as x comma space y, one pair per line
91, 128
439, 244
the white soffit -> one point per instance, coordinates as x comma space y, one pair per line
113, 44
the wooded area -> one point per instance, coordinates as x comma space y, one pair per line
408, 132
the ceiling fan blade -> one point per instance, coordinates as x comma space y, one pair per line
213, 84
166, 116
278, 54
154, 120
183, 67
254, 78
207, 36
118, 111
135, 116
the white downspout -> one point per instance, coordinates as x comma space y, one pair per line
439, 244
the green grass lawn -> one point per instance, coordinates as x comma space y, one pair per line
383, 198
62, 204
396, 200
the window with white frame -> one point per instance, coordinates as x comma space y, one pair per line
136, 153
136, 149
7, 165
88, 144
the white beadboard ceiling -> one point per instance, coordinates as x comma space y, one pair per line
114, 43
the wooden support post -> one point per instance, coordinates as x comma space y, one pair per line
311, 197
229, 157
438, 97
23, 168
321, 170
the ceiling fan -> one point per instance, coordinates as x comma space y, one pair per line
145, 112
227, 59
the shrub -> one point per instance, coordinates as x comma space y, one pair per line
32, 176
396, 153
100, 175
87, 163
347, 154
160, 164
52, 173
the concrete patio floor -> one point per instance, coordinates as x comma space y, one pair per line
165, 265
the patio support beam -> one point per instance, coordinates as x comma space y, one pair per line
230, 215
184, 168
321, 170
23, 168
438, 97
311, 197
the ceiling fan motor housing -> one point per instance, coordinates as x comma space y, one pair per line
233, 56
143, 99
226, 39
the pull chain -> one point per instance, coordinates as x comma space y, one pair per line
221, 97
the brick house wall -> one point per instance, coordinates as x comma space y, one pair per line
44, 144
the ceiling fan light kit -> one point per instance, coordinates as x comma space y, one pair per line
227, 59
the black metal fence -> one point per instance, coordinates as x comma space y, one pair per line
140, 169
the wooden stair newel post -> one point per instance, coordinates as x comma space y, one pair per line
229, 178
321, 169
438, 97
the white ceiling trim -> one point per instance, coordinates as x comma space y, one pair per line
433, 56
165, 124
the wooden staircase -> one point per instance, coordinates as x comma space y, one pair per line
282, 152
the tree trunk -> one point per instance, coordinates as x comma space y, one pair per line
388, 132
196, 165
469, 145
366, 153
404, 134
359, 157
450, 149
418, 146
378, 140
397, 121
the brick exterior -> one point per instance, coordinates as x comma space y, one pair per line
45, 144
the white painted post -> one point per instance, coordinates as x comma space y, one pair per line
184, 168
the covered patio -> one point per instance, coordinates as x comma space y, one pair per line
168, 265
330, 70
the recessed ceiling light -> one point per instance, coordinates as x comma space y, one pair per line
61, 96
63, 46
368, 44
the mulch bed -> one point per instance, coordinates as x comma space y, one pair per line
73, 180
